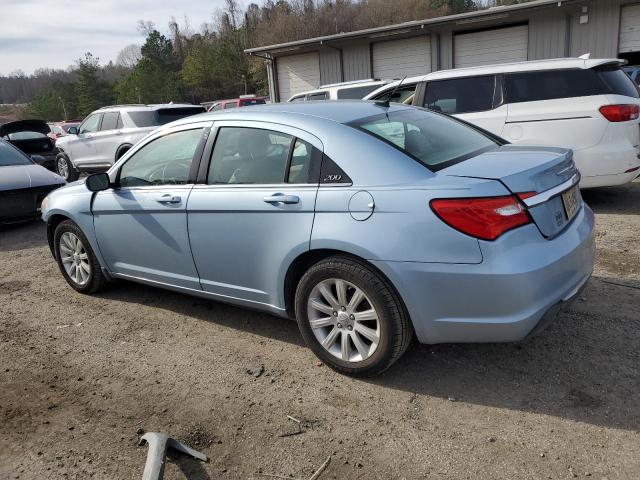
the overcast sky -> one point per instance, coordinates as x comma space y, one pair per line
54, 33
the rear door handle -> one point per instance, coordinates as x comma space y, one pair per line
282, 198
168, 198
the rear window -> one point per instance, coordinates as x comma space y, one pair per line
11, 156
356, 93
461, 95
554, 84
252, 101
162, 116
434, 140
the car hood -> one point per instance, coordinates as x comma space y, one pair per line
15, 177
24, 126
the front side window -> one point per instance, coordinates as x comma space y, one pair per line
299, 98
404, 94
164, 161
109, 121
91, 123
229, 105
432, 139
460, 95
249, 156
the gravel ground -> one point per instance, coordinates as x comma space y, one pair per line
82, 377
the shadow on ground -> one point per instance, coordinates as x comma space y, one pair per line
584, 367
623, 200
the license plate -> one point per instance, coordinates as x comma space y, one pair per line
571, 202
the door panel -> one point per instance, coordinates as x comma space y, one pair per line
489, 47
491, 120
297, 73
241, 243
397, 58
248, 224
143, 233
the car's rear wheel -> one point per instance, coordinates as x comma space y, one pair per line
65, 168
351, 317
76, 260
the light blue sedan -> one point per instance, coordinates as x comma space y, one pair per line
368, 223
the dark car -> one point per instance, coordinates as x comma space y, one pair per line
30, 136
23, 184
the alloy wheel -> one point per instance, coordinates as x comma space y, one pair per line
75, 258
344, 320
63, 168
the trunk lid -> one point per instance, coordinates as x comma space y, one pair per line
543, 174
33, 125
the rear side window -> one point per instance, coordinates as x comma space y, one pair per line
229, 105
554, 84
252, 101
162, 116
434, 140
110, 121
461, 95
356, 93
299, 98
318, 96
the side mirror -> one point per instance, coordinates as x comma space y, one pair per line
73, 131
98, 182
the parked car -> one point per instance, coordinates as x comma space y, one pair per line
30, 136
242, 101
23, 184
60, 129
106, 134
588, 105
341, 91
365, 223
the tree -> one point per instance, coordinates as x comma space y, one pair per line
129, 56
91, 92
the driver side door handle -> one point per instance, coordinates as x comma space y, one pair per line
282, 198
168, 198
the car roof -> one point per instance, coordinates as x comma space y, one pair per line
352, 84
145, 107
344, 111
531, 65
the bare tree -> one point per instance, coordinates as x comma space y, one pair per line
129, 56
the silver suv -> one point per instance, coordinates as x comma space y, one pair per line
106, 134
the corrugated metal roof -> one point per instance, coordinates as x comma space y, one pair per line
412, 25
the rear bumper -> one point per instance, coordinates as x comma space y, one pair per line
609, 180
605, 166
522, 280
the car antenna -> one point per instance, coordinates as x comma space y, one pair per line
385, 103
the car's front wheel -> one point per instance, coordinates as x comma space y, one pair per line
65, 168
350, 317
76, 260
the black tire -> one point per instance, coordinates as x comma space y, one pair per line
70, 174
396, 330
122, 149
96, 280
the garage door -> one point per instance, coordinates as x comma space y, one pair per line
397, 58
489, 47
630, 29
298, 73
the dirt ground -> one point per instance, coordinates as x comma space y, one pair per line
82, 377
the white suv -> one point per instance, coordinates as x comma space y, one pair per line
106, 134
588, 105
356, 90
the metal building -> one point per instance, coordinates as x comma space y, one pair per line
530, 31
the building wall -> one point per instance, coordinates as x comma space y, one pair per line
548, 34
600, 35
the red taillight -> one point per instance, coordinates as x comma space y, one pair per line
486, 218
620, 113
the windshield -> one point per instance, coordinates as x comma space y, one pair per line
11, 156
432, 139
25, 135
